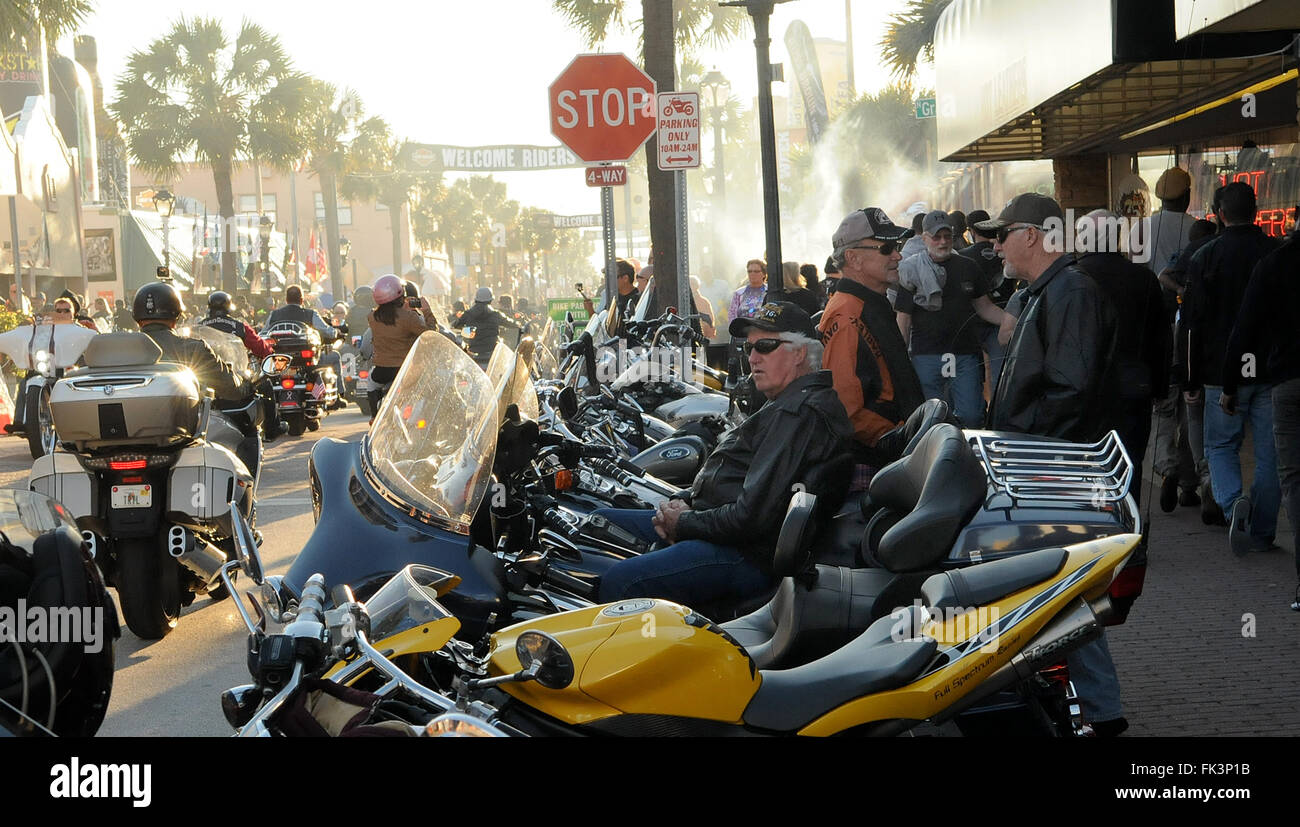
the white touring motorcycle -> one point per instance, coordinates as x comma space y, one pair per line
149, 469
45, 351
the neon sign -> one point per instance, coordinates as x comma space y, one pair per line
1274, 222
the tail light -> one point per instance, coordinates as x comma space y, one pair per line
311, 385
132, 480
287, 384
128, 464
1124, 592
306, 354
365, 374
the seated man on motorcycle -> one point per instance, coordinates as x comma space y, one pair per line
294, 311
487, 323
219, 318
156, 309
724, 535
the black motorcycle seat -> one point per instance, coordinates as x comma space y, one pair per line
938, 487
810, 615
886, 655
986, 583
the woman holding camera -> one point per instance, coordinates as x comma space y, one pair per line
394, 327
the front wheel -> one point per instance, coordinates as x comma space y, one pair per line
38, 421
149, 587
297, 422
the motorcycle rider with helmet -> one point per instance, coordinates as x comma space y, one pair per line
294, 311
157, 309
487, 323
358, 318
220, 307
394, 326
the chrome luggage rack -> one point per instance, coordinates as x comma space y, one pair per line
1098, 473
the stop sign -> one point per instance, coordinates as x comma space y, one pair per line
602, 107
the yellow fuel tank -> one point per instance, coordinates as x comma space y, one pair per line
638, 656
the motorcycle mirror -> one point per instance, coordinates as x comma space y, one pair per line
275, 363
246, 546
545, 659
567, 400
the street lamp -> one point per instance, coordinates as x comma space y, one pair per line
264, 226
717, 90
345, 247
164, 202
761, 11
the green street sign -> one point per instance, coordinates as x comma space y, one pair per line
925, 108
556, 308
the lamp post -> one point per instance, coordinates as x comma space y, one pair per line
717, 90
264, 227
761, 11
164, 202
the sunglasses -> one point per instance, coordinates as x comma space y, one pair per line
885, 248
63, 310
1005, 232
763, 346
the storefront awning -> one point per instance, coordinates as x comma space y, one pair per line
1084, 78
1221, 16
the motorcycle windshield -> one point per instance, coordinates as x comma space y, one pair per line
509, 375
409, 599
434, 437
228, 348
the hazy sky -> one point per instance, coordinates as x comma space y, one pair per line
466, 73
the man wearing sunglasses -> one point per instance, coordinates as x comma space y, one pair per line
724, 535
865, 351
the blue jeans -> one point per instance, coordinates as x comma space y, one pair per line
962, 387
711, 578
1093, 673
1223, 438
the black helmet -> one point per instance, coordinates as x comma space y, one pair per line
219, 302
155, 301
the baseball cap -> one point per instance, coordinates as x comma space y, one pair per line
1173, 183
936, 220
778, 317
1026, 208
869, 222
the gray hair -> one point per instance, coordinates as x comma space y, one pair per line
815, 349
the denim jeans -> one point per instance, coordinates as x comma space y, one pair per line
963, 391
711, 578
1178, 445
1223, 439
1286, 439
1093, 673
1133, 424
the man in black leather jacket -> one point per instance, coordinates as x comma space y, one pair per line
723, 540
293, 311
487, 323
1056, 380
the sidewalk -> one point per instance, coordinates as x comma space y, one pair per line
1211, 647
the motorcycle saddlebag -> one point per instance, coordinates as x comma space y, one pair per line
203, 481
60, 477
152, 406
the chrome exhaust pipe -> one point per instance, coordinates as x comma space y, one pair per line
92, 543
197, 555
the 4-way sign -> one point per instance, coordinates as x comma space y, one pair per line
677, 129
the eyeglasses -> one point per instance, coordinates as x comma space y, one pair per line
1005, 232
763, 346
885, 248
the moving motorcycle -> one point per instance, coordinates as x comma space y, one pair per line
147, 467
305, 390
45, 351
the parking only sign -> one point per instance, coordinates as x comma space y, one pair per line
677, 117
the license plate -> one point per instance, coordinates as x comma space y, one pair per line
131, 496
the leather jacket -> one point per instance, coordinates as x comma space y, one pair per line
740, 496
1057, 377
255, 344
198, 357
486, 322
302, 315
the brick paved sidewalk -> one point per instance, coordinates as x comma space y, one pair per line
1211, 647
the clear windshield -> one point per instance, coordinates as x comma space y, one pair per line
227, 347
409, 599
434, 437
509, 374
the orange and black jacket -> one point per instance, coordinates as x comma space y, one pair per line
865, 353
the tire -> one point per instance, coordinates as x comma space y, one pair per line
297, 423
219, 592
313, 424
37, 421
149, 587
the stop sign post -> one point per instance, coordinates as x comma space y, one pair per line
602, 108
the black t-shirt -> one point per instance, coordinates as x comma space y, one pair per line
954, 328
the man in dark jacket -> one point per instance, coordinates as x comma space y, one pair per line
724, 539
1267, 320
219, 318
487, 323
1142, 344
294, 311
1055, 381
1216, 282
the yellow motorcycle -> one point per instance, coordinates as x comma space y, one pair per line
652, 667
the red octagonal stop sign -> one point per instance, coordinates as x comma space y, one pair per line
602, 107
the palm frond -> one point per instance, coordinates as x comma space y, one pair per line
909, 35
593, 19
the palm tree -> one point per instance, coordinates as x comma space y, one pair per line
909, 34
375, 172
195, 95
665, 25
56, 17
330, 123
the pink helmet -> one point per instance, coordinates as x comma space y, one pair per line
387, 289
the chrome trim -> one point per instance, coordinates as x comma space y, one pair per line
1099, 473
